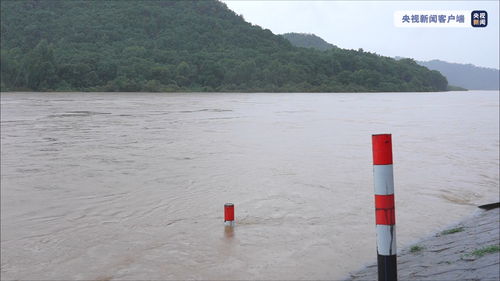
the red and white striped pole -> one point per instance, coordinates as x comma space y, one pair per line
384, 207
229, 214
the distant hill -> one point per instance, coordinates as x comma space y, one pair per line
305, 40
466, 75
149, 46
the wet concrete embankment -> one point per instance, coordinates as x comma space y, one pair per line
466, 251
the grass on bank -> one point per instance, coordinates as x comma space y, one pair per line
486, 250
453, 230
416, 249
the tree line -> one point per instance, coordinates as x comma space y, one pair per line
165, 46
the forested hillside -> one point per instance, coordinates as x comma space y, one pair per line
466, 75
305, 40
178, 46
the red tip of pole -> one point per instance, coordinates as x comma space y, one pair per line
229, 212
382, 149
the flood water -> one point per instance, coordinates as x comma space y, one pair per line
132, 185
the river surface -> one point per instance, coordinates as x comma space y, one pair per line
132, 185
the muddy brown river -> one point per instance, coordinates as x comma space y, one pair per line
131, 186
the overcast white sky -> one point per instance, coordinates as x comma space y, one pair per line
369, 25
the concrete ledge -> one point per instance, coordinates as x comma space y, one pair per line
468, 251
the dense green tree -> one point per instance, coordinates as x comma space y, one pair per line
466, 75
178, 46
10, 67
163, 74
39, 67
306, 40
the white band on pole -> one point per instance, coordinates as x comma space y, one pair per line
386, 240
383, 179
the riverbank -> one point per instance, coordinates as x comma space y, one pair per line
467, 251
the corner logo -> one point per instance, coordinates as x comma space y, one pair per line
479, 18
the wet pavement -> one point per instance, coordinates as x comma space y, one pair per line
467, 251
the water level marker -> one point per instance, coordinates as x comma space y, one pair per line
229, 214
385, 217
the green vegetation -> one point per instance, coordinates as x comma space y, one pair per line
455, 88
305, 40
464, 76
416, 249
467, 76
486, 250
154, 46
453, 230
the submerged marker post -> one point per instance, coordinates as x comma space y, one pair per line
385, 217
229, 214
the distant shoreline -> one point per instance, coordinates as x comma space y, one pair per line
241, 92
